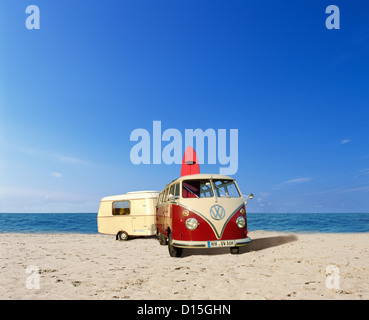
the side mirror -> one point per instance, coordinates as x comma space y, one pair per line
170, 197
250, 196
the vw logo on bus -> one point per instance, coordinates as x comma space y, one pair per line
217, 212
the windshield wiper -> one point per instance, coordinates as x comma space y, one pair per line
220, 190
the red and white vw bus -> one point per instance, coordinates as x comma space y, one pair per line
202, 211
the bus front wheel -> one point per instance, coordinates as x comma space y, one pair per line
173, 251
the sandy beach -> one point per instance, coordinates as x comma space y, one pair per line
274, 266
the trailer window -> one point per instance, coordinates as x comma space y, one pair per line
121, 208
225, 188
197, 189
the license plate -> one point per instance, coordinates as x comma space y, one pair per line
224, 243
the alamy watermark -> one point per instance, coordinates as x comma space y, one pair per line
33, 280
149, 149
332, 280
331, 22
33, 20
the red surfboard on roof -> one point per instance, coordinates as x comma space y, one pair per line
190, 163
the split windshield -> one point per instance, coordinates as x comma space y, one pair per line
205, 188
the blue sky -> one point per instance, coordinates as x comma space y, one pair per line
72, 92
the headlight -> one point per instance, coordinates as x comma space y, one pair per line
191, 223
241, 222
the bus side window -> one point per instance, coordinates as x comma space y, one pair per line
166, 195
171, 190
176, 191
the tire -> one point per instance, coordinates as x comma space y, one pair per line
162, 239
123, 236
173, 251
235, 250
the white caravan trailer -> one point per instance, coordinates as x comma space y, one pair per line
130, 214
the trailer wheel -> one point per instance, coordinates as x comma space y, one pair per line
122, 236
235, 250
173, 251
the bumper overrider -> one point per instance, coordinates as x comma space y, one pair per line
212, 243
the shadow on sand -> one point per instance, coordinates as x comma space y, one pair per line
255, 245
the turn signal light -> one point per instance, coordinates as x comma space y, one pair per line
185, 213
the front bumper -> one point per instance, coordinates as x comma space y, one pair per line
208, 244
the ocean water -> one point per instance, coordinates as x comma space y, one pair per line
290, 222
48, 222
309, 222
